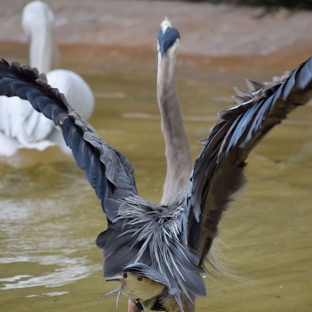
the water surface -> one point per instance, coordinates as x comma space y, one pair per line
50, 216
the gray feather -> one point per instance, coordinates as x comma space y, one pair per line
239, 129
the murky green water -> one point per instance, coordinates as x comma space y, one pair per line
50, 216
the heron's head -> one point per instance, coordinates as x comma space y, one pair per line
168, 38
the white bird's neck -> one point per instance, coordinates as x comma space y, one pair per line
38, 24
179, 162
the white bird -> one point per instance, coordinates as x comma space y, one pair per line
20, 125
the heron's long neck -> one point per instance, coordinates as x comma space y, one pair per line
179, 162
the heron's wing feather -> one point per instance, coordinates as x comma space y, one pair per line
218, 171
107, 170
133, 230
117, 261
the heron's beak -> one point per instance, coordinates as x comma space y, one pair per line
114, 279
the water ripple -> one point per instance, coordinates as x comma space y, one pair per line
70, 269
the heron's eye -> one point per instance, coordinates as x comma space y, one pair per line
125, 275
139, 278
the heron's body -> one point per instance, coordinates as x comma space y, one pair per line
158, 250
20, 125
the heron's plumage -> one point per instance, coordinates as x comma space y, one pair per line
218, 171
138, 231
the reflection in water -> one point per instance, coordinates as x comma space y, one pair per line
56, 293
31, 236
305, 154
50, 216
51, 294
71, 270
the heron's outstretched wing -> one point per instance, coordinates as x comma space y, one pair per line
138, 231
108, 171
218, 171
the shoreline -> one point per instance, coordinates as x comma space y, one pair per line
205, 28
217, 43
95, 58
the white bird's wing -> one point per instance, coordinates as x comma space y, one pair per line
218, 171
20, 121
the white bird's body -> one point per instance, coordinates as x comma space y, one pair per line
20, 125
76, 90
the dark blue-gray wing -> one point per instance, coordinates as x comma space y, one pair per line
218, 171
108, 171
134, 233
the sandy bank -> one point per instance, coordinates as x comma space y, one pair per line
114, 34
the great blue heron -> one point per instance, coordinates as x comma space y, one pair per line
159, 249
20, 125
